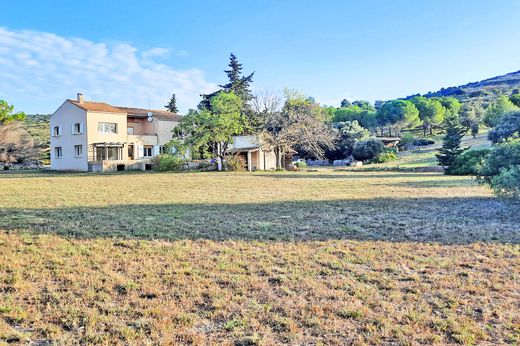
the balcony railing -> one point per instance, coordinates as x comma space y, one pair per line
142, 134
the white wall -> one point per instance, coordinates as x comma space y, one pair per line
164, 130
244, 142
66, 116
270, 160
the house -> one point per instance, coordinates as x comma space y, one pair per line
254, 154
96, 136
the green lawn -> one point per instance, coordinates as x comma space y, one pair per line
329, 256
425, 156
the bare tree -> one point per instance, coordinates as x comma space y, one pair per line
12, 153
266, 101
299, 123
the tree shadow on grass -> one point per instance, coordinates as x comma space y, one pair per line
28, 174
350, 174
440, 220
424, 184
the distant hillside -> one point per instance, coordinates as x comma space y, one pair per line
34, 132
37, 125
483, 92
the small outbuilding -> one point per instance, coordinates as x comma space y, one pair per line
254, 154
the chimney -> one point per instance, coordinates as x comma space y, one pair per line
80, 97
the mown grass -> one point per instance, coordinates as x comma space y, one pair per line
326, 257
425, 156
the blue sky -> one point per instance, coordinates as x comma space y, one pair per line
139, 52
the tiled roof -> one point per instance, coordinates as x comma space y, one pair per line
159, 114
96, 106
105, 107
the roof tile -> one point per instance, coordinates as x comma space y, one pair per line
90, 106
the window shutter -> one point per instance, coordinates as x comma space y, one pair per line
72, 129
52, 131
81, 127
156, 150
140, 151
59, 130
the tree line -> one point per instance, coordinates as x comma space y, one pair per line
499, 166
291, 122
286, 122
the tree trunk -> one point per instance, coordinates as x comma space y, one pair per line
278, 155
219, 163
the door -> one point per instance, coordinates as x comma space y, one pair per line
130, 151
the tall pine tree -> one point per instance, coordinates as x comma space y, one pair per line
238, 84
172, 105
451, 142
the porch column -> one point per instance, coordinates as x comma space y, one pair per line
249, 165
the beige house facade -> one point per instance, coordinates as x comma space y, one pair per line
96, 136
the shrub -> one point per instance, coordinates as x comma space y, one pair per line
468, 163
501, 157
406, 139
508, 128
234, 164
507, 183
203, 165
168, 162
515, 98
349, 133
367, 150
300, 165
501, 170
386, 156
423, 141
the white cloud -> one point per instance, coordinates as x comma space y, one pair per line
39, 70
157, 51
163, 52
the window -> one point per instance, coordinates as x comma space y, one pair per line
57, 152
130, 130
77, 128
131, 151
56, 131
107, 127
147, 151
78, 150
165, 150
108, 153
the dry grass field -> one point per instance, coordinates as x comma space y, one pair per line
325, 257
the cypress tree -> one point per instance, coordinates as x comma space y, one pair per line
451, 141
172, 105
